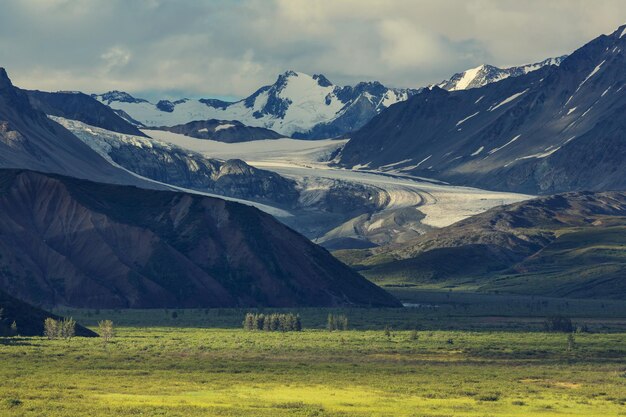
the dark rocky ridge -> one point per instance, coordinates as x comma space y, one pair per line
79, 106
211, 130
77, 243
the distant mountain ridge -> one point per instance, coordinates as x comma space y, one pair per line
487, 74
555, 129
297, 105
79, 106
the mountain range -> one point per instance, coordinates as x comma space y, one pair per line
558, 128
67, 241
296, 105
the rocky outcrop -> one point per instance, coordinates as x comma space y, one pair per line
228, 131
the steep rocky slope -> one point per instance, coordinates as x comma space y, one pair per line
77, 243
29, 139
559, 128
79, 106
170, 164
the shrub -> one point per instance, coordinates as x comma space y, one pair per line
388, 332
558, 324
337, 322
489, 397
582, 328
14, 328
13, 402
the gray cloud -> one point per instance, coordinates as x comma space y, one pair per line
230, 48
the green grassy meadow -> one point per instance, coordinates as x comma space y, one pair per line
201, 363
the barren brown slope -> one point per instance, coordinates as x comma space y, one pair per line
71, 242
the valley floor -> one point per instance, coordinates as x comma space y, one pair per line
202, 372
200, 363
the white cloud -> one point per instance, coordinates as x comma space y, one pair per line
228, 47
115, 57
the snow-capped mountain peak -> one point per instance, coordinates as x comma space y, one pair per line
296, 104
486, 74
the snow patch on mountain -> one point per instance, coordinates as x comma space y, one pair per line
487, 74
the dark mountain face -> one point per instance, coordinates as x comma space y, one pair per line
82, 244
228, 131
79, 106
554, 129
29, 139
29, 319
562, 245
119, 96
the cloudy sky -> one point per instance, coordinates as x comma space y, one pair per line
228, 48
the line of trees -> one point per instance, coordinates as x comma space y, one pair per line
59, 329
337, 322
273, 322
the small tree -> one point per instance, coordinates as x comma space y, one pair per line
558, 324
388, 332
106, 330
14, 328
342, 322
331, 325
298, 323
51, 328
571, 342
249, 322
68, 328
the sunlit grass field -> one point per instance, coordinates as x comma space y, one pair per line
193, 371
